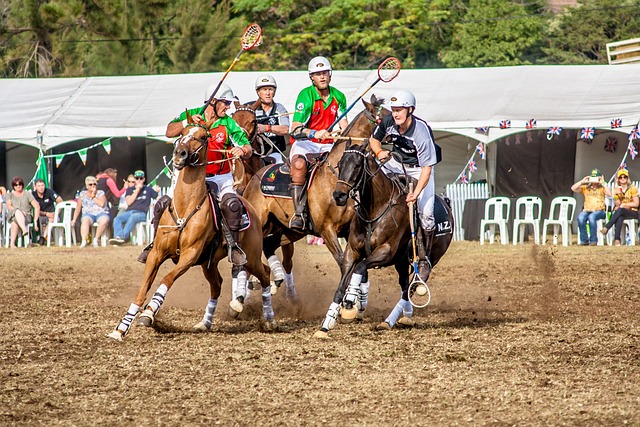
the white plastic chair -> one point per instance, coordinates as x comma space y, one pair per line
104, 239
532, 214
61, 225
496, 213
560, 217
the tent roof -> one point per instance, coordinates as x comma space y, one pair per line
451, 100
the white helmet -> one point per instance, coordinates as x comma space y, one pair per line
403, 98
319, 63
266, 80
224, 93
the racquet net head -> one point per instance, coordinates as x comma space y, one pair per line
389, 69
252, 37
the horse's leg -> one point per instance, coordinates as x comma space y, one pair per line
150, 272
270, 244
262, 273
215, 284
287, 263
238, 290
402, 267
363, 295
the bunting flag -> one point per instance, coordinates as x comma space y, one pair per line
505, 124
59, 158
633, 152
472, 166
153, 183
480, 150
587, 134
554, 130
41, 169
167, 172
623, 165
635, 133
483, 130
463, 178
83, 156
611, 145
106, 144
531, 124
616, 123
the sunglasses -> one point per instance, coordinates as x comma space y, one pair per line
91, 185
227, 103
139, 177
623, 177
18, 185
131, 182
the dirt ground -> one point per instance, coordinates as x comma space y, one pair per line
521, 335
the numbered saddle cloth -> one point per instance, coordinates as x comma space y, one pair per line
276, 180
443, 225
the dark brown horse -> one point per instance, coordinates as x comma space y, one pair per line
244, 169
187, 236
378, 234
329, 220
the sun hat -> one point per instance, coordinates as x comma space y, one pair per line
138, 174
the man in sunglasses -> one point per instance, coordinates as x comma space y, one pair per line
138, 198
227, 142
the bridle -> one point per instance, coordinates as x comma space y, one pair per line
193, 157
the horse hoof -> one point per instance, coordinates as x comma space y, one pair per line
348, 314
360, 316
201, 327
269, 325
406, 322
145, 320
323, 335
384, 326
236, 306
116, 335
274, 288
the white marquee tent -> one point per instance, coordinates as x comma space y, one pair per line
454, 101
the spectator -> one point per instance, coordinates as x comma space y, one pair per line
19, 203
130, 182
93, 205
107, 183
3, 196
138, 199
594, 191
626, 202
46, 198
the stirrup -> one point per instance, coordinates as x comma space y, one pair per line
142, 258
297, 222
237, 255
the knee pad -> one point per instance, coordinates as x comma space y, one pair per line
232, 210
298, 170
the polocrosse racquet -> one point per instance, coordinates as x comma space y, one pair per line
419, 293
387, 71
251, 38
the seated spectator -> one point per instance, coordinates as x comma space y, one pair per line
93, 205
19, 204
46, 198
594, 191
138, 200
625, 197
107, 183
3, 196
130, 182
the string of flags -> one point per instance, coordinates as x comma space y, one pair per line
471, 165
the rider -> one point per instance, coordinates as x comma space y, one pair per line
273, 118
317, 107
415, 149
225, 135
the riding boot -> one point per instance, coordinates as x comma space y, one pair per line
423, 243
231, 223
159, 208
297, 221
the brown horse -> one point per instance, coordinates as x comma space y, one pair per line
378, 234
329, 220
187, 235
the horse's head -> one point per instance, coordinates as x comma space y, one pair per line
351, 174
375, 109
190, 149
245, 117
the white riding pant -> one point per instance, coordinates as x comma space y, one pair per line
304, 146
224, 182
426, 197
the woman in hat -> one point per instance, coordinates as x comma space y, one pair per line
594, 191
626, 202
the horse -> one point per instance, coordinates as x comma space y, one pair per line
187, 235
378, 234
329, 220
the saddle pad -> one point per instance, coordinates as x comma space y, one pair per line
276, 180
217, 214
443, 225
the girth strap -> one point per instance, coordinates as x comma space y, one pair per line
182, 223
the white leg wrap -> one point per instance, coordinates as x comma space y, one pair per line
241, 284
395, 313
288, 280
276, 267
126, 321
267, 308
363, 295
157, 299
407, 311
332, 316
352, 290
207, 319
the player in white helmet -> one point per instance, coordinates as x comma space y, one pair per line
413, 147
317, 107
273, 119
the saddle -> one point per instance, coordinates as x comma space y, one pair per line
276, 180
217, 212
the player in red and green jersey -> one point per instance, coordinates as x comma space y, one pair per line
317, 107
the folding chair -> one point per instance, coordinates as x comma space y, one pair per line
496, 213
532, 213
560, 217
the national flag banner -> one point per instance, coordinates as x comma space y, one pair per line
483, 130
153, 183
635, 133
106, 144
505, 124
587, 134
480, 150
611, 145
59, 158
472, 166
83, 156
531, 124
41, 169
616, 123
463, 178
633, 152
554, 130
623, 165
167, 172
